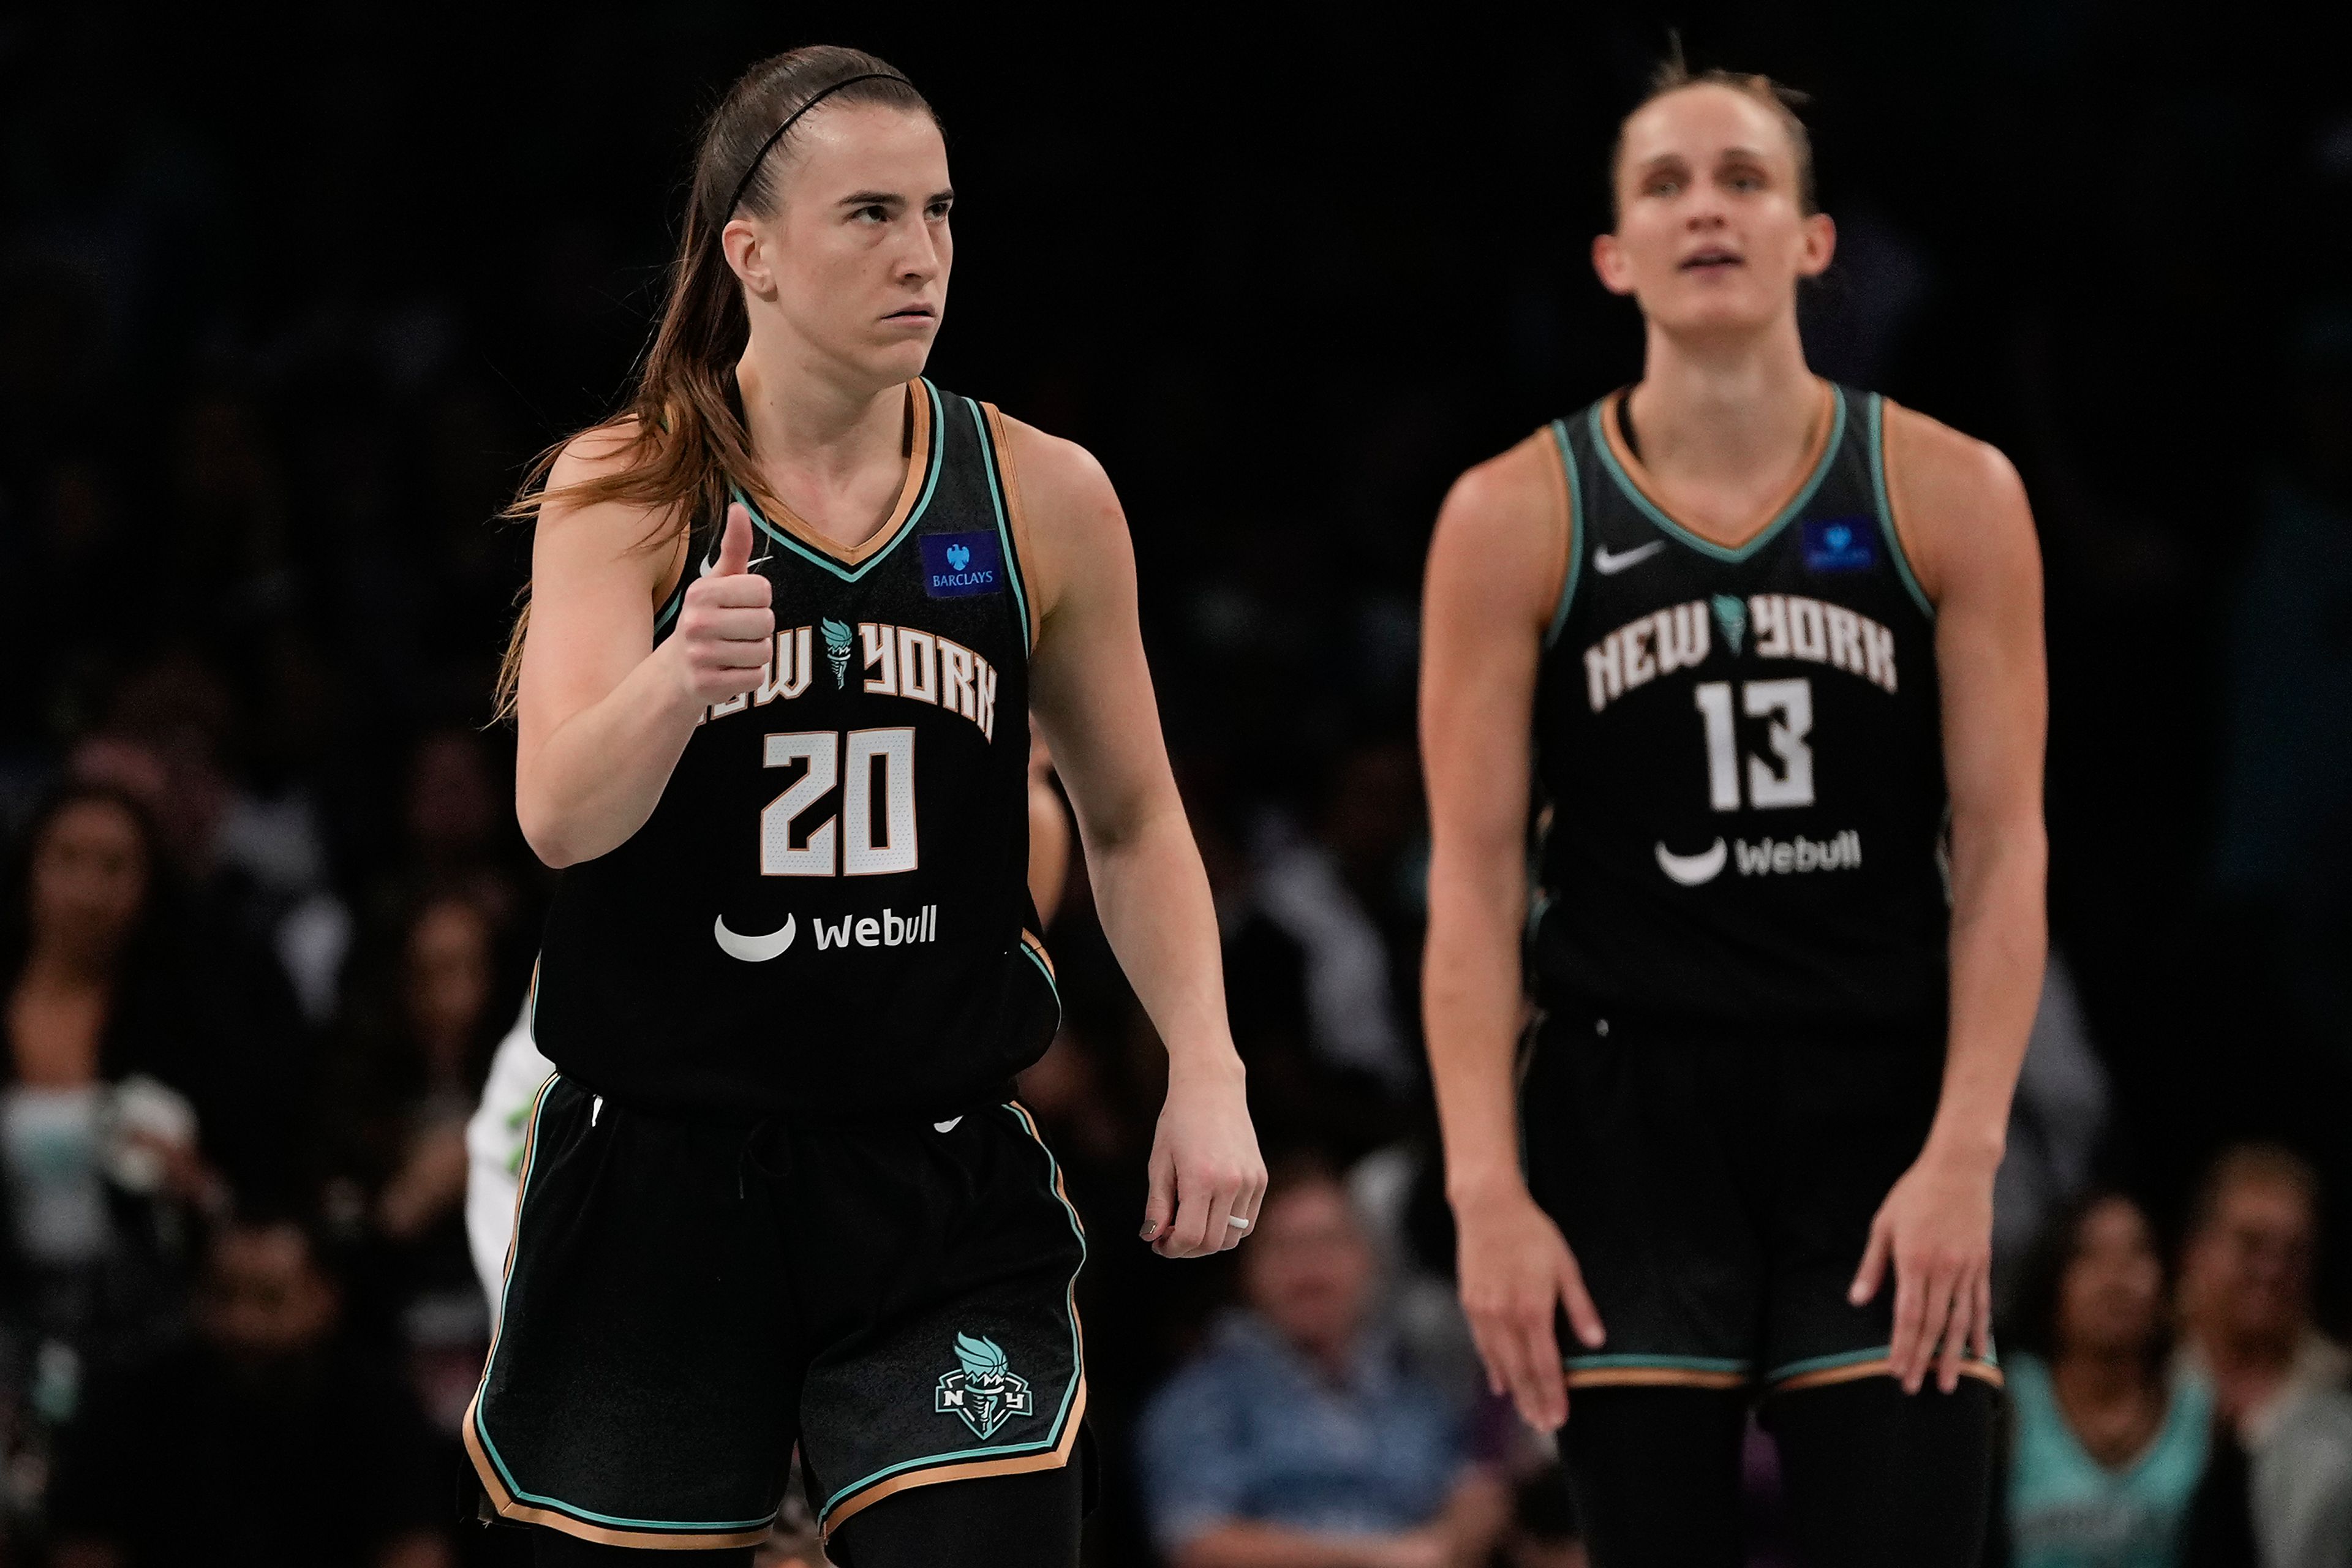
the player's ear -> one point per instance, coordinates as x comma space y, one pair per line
1820, 244
1609, 262
746, 253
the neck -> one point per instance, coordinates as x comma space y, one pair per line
2249, 1356
803, 413
1721, 407
63, 966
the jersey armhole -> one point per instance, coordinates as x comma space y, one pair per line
1012, 518
1884, 490
1571, 517
666, 610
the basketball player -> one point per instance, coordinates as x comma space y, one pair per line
791, 611
494, 1134
1756, 636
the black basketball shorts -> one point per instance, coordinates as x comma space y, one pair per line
686, 1297
1717, 1186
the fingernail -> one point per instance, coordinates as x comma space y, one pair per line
1148, 1230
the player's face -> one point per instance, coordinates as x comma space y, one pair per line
856, 256
1711, 236
2109, 1302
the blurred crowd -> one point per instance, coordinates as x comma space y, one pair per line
274, 346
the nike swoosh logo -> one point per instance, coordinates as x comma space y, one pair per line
1608, 564
947, 1126
1693, 870
751, 949
710, 565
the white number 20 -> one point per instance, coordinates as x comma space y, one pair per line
1789, 705
859, 854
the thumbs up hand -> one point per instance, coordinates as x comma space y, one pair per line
726, 630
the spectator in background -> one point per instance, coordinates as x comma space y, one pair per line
235, 1029
2057, 1121
267, 1441
1297, 1439
424, 1035
99, 1155
2246, 1314
2114, 1458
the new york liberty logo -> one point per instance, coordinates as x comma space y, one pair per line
836, 649
1731, 615
981, 1390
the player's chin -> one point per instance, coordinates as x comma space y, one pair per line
1735, 304
901, 345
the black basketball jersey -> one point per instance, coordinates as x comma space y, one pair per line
827, 914
1741, 750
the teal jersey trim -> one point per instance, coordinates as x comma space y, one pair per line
1031, 954
677, 603
1855, 1358
852, 574
1885, 508
481, 1426
1708, 547
1003, 531
1663, 1362
1077, 1356
1575, 545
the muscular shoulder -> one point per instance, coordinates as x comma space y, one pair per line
599, 452
577, 526
1066, 519
1506, 524
1958, 502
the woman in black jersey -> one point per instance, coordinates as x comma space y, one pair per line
789, 613
1759, 639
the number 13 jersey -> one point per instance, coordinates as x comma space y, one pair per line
1740, 749
827, 913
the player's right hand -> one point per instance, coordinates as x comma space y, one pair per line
1517, 1272
726, 630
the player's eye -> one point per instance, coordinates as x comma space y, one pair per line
873, 212
937, 210
1662, 185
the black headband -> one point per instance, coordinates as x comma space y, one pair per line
777, 133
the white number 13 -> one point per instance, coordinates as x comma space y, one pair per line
1789, 705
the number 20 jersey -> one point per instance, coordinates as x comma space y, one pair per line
1740, 750
827, 913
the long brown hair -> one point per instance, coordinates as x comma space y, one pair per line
680, 436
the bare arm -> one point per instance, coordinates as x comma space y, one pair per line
1092, 695
603, 713
1049, 831
1494, 578
1965, 524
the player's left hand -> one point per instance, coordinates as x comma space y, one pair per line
1935, 1228
1206, 1171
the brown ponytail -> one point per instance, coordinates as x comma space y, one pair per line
681, 435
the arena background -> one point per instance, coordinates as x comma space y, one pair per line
286, 303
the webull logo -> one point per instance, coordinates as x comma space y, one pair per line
1764, 857
888, 928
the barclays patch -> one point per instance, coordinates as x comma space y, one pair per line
1841, 544
958, 566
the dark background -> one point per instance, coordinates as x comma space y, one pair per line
287, 302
